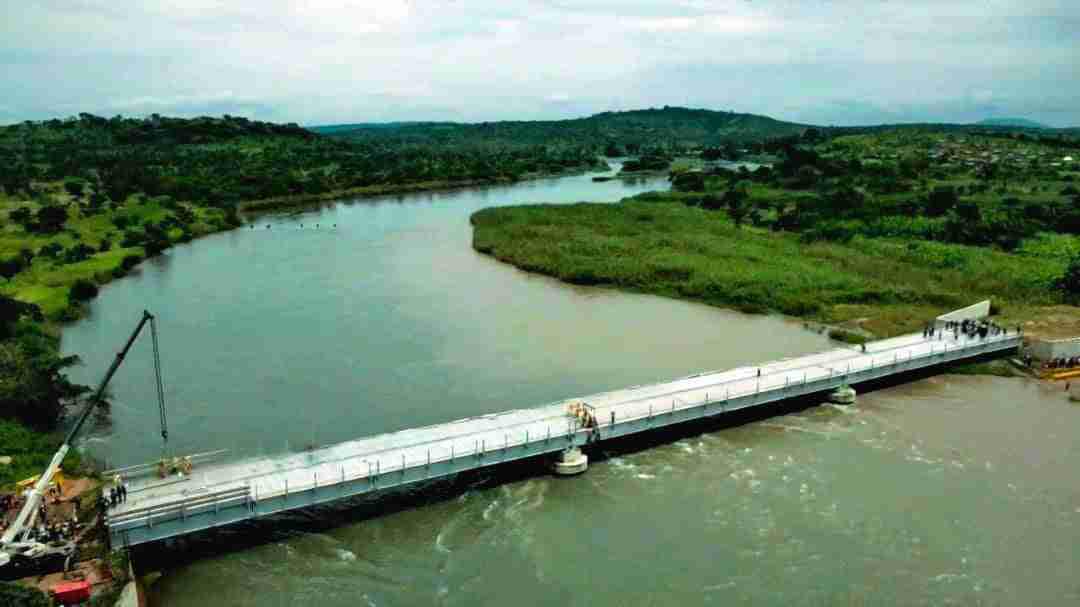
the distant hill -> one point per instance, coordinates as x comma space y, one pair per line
334, 129
670, 126
1014, 122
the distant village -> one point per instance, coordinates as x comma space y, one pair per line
980, 153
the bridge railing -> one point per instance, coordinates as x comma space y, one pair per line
188, 506
970, 345
373, 471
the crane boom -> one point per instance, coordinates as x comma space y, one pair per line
24, 520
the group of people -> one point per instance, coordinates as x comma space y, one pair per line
970, 328
1060, 362
117, 493
44, 530
47, 532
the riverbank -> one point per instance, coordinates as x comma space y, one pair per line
302, 200
883, 287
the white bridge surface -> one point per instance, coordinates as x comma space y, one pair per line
217, 494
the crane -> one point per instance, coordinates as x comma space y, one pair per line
15, 543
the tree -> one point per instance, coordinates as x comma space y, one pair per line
737, 201
842, 200
75, 188
11, 266
1069, 283
79, 252
21, 216
155, 239
688, 181
13, 595
51, 250
34, 389
82, 290
940, 201
807, 176
51, 219
97, 200
13, 310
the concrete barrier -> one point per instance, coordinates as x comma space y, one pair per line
972, 312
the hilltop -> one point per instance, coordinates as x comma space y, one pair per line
667, 126
1017, 122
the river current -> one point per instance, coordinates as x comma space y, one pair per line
371, 315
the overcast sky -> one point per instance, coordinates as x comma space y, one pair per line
329, 61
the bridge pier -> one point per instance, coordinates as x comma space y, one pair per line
570, 461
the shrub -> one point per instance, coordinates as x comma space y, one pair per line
82, 290
1069, 283
75, 188
14, 595
21, 216
50, 219
77, 253
11, 266
51, 250
848, 337
130, 262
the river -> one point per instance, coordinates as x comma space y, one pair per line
952, 489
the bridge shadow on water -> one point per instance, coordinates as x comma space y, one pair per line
168, 554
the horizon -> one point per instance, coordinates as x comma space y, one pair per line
330, 62
361, 123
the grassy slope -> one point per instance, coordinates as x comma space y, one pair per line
47, 281
670, 249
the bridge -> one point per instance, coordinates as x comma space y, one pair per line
218, 494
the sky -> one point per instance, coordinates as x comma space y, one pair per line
841, 62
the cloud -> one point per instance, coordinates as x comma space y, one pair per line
321, 61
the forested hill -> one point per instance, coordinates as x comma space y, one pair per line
224, 161
669, 127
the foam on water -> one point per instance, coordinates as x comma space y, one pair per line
486, 515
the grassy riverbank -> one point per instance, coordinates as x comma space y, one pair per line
94, 245
884, 286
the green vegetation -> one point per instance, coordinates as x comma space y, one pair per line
614, 133
656, 245
30, 451
221, 162
13, 595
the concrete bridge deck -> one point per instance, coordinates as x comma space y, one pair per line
219, 494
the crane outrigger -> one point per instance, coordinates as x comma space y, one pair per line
17, 547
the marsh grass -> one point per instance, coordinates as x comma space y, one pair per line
653, 245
